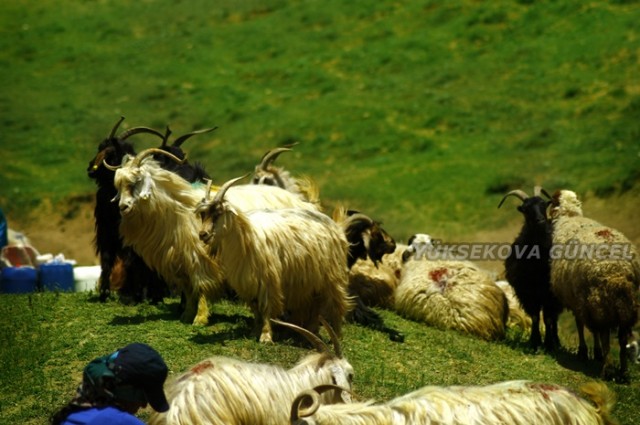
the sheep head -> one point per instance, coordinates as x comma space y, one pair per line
113, 149
134, 180
418, 244
211, 210
341, 370
533, 208
565, 203
308, 402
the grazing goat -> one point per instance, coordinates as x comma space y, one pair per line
451, 294
280, 261
368, 241
107, 240
505, 403
527, 268
226, 391
268, 174
594, 278
158, 221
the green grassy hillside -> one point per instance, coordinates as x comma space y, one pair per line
420, 113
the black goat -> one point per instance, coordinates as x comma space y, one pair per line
528, 268
107, 241
132, 278
367, 239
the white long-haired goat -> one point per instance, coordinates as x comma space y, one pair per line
290, 261
158, 221
226, 391
506, 403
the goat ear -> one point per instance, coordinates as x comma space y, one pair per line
145, 187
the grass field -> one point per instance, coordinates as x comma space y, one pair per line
419, 113
53, 335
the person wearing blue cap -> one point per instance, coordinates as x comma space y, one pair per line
115, 387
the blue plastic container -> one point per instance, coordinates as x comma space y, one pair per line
56, 277
18, 280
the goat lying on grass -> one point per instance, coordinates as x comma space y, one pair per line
506, 403
226, 391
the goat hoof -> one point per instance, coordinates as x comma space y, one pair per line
265, 338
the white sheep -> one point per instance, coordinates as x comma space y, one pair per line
505, 403
595, 272
226, 391
290, 261
451, 294
158, 221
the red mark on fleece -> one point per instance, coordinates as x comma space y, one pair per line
605, 234
437, 274
200, 367
544, 389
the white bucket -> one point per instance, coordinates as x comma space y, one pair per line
86, 278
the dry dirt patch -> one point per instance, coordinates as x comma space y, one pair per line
68, 228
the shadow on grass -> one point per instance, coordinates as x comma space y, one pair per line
167, 312
234, 326
565, 358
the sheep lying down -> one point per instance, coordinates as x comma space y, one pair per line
452, 295
506, 403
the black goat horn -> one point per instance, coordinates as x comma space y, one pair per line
180, 140
517, 193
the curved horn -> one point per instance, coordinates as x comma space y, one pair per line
136, 130
180, 140
115, 128
313, 397
334, 337
223, 189
207, 193
165, 138
271, 156
145, 153
310, 336
539, 191
517, 193
358, 221
110, 167
310, 397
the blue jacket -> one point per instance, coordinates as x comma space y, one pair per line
102, 416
